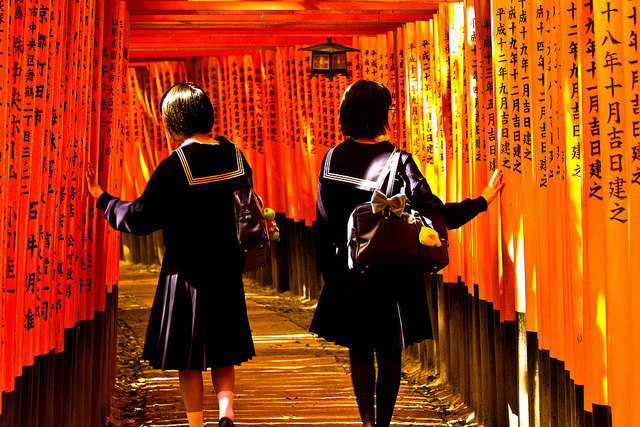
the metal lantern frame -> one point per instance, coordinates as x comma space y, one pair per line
329, 58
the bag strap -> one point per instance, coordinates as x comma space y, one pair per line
359, 183
393, 172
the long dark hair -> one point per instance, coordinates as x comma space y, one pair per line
364, 109
186, 110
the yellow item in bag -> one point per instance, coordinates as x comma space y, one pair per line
429, 237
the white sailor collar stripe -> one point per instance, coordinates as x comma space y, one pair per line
357, 182
211, 178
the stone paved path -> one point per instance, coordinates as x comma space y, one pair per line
294, 380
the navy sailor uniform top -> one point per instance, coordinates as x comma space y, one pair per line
377, 306
189, 197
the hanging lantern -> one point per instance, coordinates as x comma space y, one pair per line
329, 58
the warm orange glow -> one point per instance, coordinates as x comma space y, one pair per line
544, 93
521, 279
601, 330
144, 169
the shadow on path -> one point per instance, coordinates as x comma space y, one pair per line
295, 379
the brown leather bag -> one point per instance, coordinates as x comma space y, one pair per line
251, 226
378, 236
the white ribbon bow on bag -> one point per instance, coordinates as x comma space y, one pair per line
380, 201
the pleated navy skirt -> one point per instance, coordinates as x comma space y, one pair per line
199, 317
372, 308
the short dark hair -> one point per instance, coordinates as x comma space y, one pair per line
364, 109
186, 110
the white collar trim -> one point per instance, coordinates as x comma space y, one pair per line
238, 172
358, 182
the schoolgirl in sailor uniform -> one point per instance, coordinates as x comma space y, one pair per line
375, 312
198, 320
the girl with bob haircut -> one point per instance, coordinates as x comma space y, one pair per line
186, 110
375, 311
198, 320
364, 110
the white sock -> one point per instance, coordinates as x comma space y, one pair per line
225, 404
196, 419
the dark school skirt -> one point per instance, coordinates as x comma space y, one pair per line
372, 307
198, 319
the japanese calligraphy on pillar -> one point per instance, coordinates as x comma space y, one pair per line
488, 138
631, 34
520, 92
309, 93
19, 176
613, 87
369, 69
255, 88
485, 152
325, 113
571, 93
570, 108
37, 70
424, 94
224, 85
631, 24
50, 103
245, 98
554, 149
272, 130
426, 84
527, 225
271, 107
471, 69
5, 40
236, 81
541, 136
441, 99
156, 142
503, 17
458, 152
522, 120
34, 113
110, 149
505, 54
386, 48
591, 177
380, 56
613, 98
411, 115
296, 93
614, 59
557, 184
401, 90
213, 74
474, 170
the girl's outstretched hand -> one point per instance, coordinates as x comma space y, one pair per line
94, 188
495, 186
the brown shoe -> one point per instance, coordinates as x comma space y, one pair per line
225, 422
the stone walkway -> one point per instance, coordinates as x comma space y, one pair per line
294, 380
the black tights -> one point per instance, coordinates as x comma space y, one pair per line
363, 375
